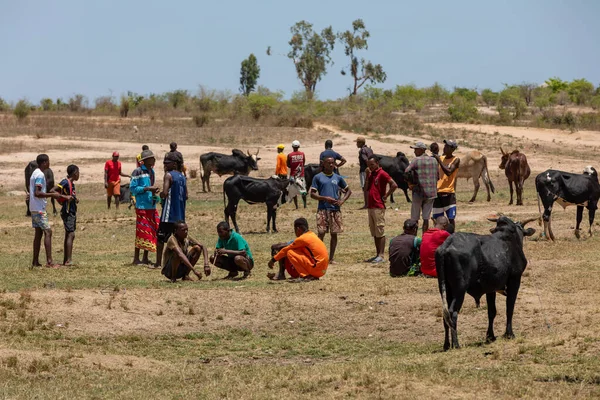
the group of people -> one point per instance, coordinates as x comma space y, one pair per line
432, 180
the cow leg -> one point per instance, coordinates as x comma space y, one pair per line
592, 213
519, 185
405, 190
230, 211
510, 184
512, 289
487, 188
449, 299
269, 214
476, 185
274, 215
205, 180
454, 309
550, 233
491, 304
578, 223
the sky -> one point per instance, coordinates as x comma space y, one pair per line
97, 48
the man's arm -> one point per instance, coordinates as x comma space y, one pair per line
393, 187
342, 161
448, 170
167, 180
186, 262
347, 192
52, 194
105, 179
122, 174
315, 195
288, 162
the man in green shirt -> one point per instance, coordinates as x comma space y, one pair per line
232, 252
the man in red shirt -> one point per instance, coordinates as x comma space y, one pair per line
295, 162
376, 183
112, 179
432, 239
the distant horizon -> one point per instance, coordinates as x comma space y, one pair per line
70, 47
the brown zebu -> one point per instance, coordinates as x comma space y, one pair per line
474, 165
517, 170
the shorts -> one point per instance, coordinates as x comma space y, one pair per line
228, 263
445, 203
329, 221
114, 188
69, 221
420, 205
377, 222
39, 219
363, 178
165, 231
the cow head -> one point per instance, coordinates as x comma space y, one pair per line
295, 187
252, 160
589, 170
504, 158
510, 228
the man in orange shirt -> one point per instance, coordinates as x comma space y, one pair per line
305, 258
281, 166
112, 179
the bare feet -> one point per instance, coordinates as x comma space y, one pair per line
137, 262
272, 276
231, 275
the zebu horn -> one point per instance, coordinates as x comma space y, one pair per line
528, 220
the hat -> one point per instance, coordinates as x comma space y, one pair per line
172, 157
147, 154
451, 143
360, 139
295, 143
280, 146
419, 145
115, 154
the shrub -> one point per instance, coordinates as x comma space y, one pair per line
201, 120
47, 104
260, 105
489, 97
4, 106
78, 103
595, 102
22, 109
124, 108
461, 109
105, 104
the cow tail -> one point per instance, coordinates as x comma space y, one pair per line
441, 275
201, 171
486, 177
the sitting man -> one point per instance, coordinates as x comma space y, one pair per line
232, 252
432, 239
305, 258
179, 259
404, 251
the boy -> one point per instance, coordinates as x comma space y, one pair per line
68, 212
232, 252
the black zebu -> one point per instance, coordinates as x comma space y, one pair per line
478, 265
237, 163
32, 166
566, 188
395, 167
272, 191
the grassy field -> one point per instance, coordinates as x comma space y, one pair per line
106, 329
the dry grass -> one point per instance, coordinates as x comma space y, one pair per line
106, 329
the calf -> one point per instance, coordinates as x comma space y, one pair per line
395, 167
474, 165
566, 189
273, 191
478, 265
237, 163
32, 166
517, 170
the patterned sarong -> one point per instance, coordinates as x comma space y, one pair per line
146, 225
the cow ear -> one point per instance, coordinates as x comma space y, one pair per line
528, 232
257, 158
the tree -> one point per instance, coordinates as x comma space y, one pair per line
580, 91
557, 85
354, 41
249, 74
46, 104
22, 109
527, 91
490, 98
311, 54
510, 98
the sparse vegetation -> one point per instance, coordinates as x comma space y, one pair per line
22, 109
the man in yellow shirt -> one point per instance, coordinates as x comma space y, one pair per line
281, 166
445, 203
305, 258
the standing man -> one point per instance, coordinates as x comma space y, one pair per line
68, 212
377, 181
424, 169
146, 223
180, 165
364, 153
329, 152
326, 187
445, 201
174, 196
232, 252
281, 165
39, 217
295, 162
112, 179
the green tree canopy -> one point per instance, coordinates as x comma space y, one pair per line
357, 40
311, 54
580, 91
249, 74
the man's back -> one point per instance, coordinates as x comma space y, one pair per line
432, 239
174, 204
401, 252
427, 173
297, 161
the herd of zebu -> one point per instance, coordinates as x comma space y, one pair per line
466, 263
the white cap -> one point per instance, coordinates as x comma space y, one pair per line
295, 143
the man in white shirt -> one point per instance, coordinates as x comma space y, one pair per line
39, 217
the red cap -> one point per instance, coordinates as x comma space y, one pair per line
115, 154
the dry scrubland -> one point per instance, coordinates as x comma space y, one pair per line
106, 329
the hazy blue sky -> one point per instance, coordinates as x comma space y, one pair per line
60, 47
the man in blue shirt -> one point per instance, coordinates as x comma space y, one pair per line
329, 152
326, 187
